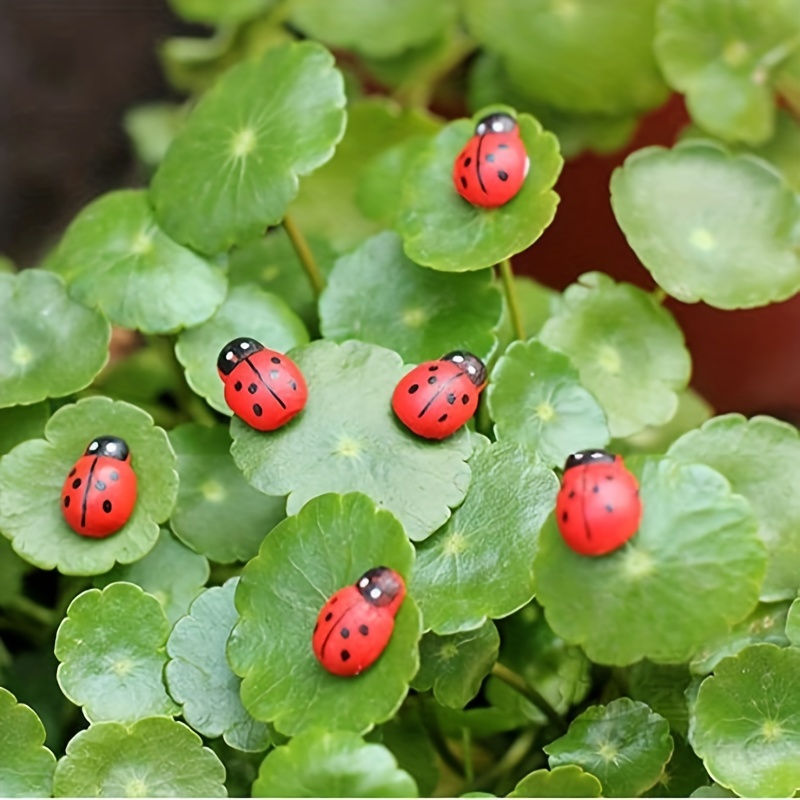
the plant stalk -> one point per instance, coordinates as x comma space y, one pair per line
510, 291
510, 678
305, 255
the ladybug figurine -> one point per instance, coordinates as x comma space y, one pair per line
355, 625
262, 387
436, 398
100, 491
492, 167
598, 507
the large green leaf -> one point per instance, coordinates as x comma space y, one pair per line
198, 675
26, 765
329, 544
332, 764
746, 722
19, 423
378, 295
480, 564
155, 757
699, 219
628, 349
112, 649
234, 168
32, 475
49, 344
568, 780
693, 569
348, 439
115, 257
624, 744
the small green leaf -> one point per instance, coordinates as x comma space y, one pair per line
759, 458
566, 781
19, 423
348, 439
480, 564
332, 764
279, 598
247, 311
111, 646
155, 757
32, 475
442, 230
537, 400
793, 624
234, 168
115, 257
746, 722
455, 666
699, 218
628, 349
624, 745
151, 128
26, 765
198, 675
693, 569
172, 573
46, 354
212, 12
663, 688
714, 790
378, 295
210, 487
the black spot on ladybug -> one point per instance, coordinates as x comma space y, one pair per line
595, 489
363, 630
433, 368
490, 157
467, 161
273, 373
451, 398
637, 492
275, 360
74, 470
107, 506
76, 483
257, 410
329, 616
465, 398
344, 633
463, 181
238, 386
345, 655
564, 516
99, 485
334, 600
502, 147
66, 502
412, 389
114, 476
502, 175
432, 379
443, 418
293, 385
252, 388
609, 477
609, 508
571, 495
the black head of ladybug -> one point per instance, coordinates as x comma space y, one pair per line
380, 586
470, 364
110, 446
236, 351
584, 457
496, 123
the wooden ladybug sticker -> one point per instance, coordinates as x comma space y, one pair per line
263, 387
598, 507
355, 625
492, 167
436, 398
100, 491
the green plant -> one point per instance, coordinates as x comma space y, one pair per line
288, 206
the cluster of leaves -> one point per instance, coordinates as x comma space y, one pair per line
516, 666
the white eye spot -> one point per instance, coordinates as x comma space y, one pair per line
93, 446
457, 359
497, 126
375, 593
471, 369
481, 129
229, 356
245, 345
111, 447
363, 583
597, 455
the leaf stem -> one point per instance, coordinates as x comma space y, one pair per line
516, 682
469, 768
305, 255
514, 756
510, 292
437, 739
32, 609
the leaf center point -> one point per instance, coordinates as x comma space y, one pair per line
771, 730
448, 652
243, 143
703, 240
136, 787
213, 491
348, 448
455, 544
545, 411
607, 751
610, 360
735, 53
638, 564
22, 355
415, 317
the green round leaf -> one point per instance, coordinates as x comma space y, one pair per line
455, 666
32, 475
26, 765
726, 59
332, 764
198, 675
746, 722
578, 55
151, 127
663, 688
247, 311
378, 295
480, 564
19, 423
567, 781
793, 624
628, 349
624, 745
234, 168
155, 757
537, 400
699, 219
714, 790
348, 439
115, 257
111, 646
308, 557
49, 345
759, 458
693, 569
172, 573
211, 487
212, 12
442, 230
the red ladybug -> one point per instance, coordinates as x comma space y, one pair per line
598, 507
492, 167
436, 398
100, 491
262, 387
355, 625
